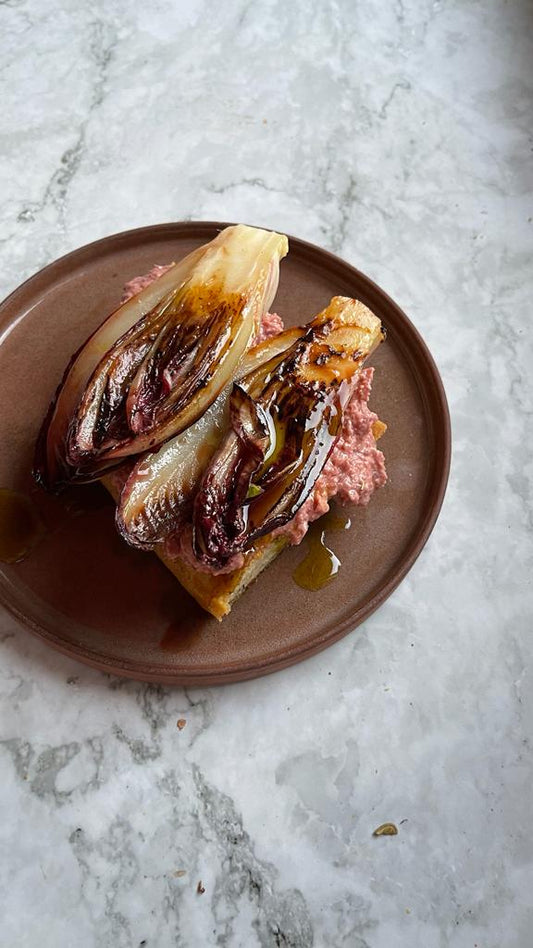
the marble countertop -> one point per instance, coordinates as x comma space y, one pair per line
399, 136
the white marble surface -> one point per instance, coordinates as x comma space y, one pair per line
399, 135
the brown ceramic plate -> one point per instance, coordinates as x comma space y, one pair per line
89, 595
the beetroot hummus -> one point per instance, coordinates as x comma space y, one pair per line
271, 325
132, 287
353, 471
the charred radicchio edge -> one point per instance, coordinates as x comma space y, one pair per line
284, 420
160, 360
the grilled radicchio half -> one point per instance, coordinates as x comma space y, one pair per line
285, 417
157, 496
158, 362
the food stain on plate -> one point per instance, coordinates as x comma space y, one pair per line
177, 637
21, 526
320, 565
180, 634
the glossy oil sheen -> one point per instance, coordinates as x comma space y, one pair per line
320, 564
21, 526
84, 591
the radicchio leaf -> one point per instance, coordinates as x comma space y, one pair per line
256, 482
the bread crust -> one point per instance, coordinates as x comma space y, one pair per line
216, 594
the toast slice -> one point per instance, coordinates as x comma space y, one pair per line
352, 327
217, 594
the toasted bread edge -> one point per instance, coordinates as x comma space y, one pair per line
216, 594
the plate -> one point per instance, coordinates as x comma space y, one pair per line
86, 593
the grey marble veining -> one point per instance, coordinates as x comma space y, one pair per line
398, 135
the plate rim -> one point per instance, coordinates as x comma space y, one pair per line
256, 668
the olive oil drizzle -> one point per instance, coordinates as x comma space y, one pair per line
320, 565
21, 526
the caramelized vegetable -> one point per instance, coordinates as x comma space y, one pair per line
159, 361
285, 417
158, 494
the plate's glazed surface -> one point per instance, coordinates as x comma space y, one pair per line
88, 594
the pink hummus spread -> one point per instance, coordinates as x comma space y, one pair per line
271, 325
353, 471
138, 283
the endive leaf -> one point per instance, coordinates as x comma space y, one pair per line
157, 496
257, 481
162, 358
